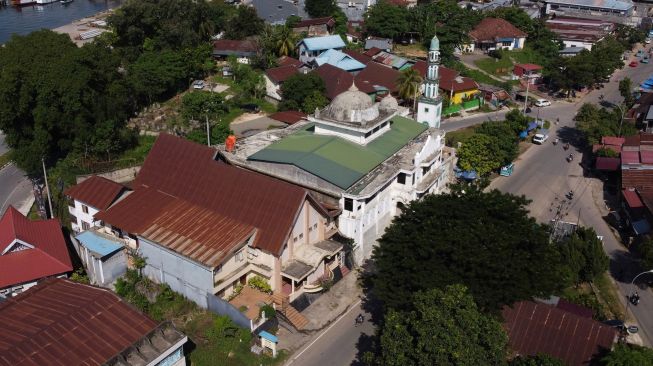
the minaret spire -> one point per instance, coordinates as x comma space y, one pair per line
429, 108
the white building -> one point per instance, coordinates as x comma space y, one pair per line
358, 156
89, 197
429, 107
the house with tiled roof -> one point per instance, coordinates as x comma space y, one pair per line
88, 198
456, 87
495, 34
637, 181
206, 227
309, 48
243, 50
275, 77
60, 322
29, 252
379, 76
315, 27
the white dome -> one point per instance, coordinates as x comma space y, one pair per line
352, 106
388, 104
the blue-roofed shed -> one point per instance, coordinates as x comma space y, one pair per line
103, 256
309, 48
339, 59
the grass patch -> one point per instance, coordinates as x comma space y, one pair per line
5, 158
600, 296
454, 137
218, 341
500, 66
136, 155
525, 56
33, 213
607, 292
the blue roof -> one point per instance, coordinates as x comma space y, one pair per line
602, 4
339, 59
98, 243
323, 43
268, 336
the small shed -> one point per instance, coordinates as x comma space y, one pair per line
103, 256
530, 70
269, 341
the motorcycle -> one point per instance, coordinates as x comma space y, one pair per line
570, 158
359, 320
634, 299
555, 142
566, 147
570, 195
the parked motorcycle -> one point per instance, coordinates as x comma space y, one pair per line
570, 158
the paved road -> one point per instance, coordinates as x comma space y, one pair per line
15, 188
541, 173
338, 344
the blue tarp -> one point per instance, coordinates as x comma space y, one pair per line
641, 227
98, 243
533, 125
523, 135
268, 336
469, 175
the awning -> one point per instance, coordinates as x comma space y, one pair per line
632, 199
641, 227
608, 164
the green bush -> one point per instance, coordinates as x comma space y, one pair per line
607, 153
260, 284
268, 310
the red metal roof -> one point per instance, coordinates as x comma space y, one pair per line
612, 140
538, 328
288, 61
289, 117
646, 156
59, 322
337, 81
491, 29
188, 171
449, 78
48, 257
529, 67
630, 157
360, 57
632, 199
575, 309
329, 21
280, 74
608, 164
373, 51
137, 210
377, 74
96, 191
641, 179
234, 45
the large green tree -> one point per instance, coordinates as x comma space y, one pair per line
244, 23
320, 8
56, 99
626, 91
446, 328
583, 253
409, 83
483, 240
481, 153
386, 20
506, 139
541, 359
297, 88
628, 355
157, 75
595, 122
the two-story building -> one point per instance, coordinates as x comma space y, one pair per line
309, 48
209, 227
88, 197
357, 155
30, 251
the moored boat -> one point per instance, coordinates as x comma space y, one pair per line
22, 2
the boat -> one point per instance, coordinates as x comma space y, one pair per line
43, 2
22, 2
64, 2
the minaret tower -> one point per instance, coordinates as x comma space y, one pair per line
429, 105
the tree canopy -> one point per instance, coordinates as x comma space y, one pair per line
446, 328
56, 98
628, 355
583, 253
386, 20
540, 359
483, 240
320, 8
300, 87
595, 122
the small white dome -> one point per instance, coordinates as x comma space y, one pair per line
352, 106
388, 104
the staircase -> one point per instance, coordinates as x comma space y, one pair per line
344, 270
290, 313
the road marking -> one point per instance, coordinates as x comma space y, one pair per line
324, 332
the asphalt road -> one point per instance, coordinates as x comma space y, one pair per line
15, 188
542, 174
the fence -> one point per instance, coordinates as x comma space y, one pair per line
222, 307
456, 108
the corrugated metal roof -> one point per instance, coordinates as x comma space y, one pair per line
49, 257
608, 164
630, 157
339, 59
604, 4
377, 74
632, 199
100, 244
538, 328
187, 170
96, 191
281, 73
336, 160
323, 43
59, 322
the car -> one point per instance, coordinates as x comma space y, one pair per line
644, 60
633, 64
199, 84
542, 103
539, 138
647, 41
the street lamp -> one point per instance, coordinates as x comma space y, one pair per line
621, 110
632, 283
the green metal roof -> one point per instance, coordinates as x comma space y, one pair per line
337, 160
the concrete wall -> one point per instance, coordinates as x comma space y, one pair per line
272, 90
103, 271
585, 45
120, 175
78, 211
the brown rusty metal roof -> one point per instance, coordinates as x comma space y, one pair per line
60, 322
188, 171
137, 210
96, 191
539, 328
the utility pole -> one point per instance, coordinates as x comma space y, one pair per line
208, 133
528, 84
47, 187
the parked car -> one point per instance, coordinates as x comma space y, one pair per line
542, 103
540, 137
251, 108
633, 64
199, 84
647, 41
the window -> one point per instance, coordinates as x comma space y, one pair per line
426, 110
239, 256
349, 204
294, 240
401, 178
73, 219
301, 236
85, 225
315, 226
84, 209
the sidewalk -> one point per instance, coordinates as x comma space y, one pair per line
326, 309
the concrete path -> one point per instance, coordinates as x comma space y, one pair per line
15, 188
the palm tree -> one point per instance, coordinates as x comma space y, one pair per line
409, 85
285, 41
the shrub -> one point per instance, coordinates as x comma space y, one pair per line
260, 284
268, 310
